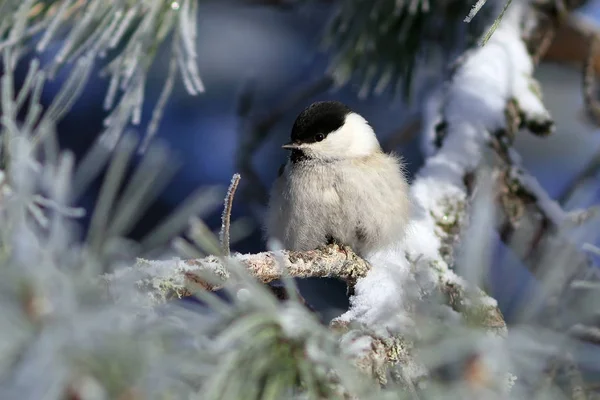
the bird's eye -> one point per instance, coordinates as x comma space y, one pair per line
319, 137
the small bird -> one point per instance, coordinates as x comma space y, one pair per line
338, 186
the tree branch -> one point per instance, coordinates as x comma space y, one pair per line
528, 220
329, 262
165, 280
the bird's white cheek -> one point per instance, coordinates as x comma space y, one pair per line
329, 149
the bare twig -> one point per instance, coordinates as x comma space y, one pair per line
226, 216
540, 38
558, 36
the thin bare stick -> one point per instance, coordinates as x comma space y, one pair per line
226, 217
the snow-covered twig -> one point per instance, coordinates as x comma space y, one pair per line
226, 217
179, 278
469, 111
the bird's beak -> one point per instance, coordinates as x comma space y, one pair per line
290, 146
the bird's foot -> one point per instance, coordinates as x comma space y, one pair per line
331, 241
343, 248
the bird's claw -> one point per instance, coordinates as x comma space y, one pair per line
331, 241
347, 250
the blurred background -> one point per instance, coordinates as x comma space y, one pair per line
261, 64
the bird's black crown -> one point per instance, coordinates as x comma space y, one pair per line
318, 120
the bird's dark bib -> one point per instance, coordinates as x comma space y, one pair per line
298, 156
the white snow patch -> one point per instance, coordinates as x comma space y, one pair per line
379, 300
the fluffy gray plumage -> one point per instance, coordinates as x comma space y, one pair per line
338, 185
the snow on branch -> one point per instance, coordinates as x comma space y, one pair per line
165, 280
459, 123
490, 99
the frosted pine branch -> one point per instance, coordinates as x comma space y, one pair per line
131, 32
